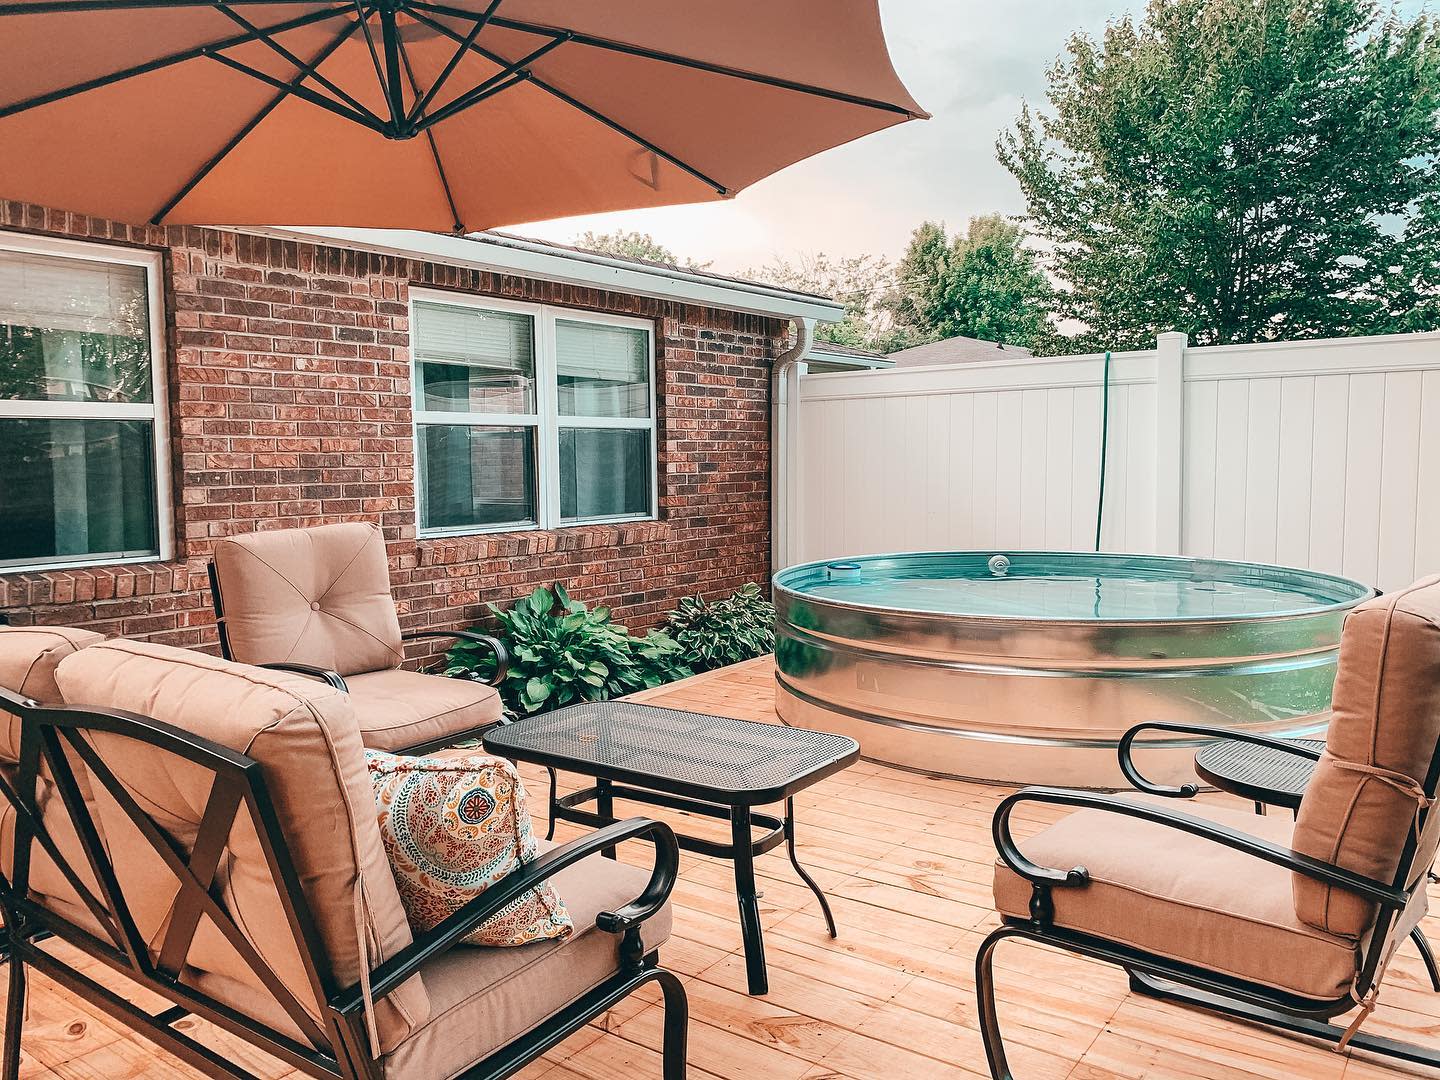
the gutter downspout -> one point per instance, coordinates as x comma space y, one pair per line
785, 484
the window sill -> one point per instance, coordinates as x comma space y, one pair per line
441, 550
8, 569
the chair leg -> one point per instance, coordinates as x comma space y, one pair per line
1423, 948
677, 1025
985, 1000
14, 1019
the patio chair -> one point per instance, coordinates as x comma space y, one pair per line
1286, 924
317, 602
230, 862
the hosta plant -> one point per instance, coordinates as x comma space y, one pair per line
562, 652
714, 633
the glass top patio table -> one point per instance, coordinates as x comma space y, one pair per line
716, 758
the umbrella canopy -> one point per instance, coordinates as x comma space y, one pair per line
453, 115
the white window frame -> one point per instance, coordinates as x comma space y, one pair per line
156, 410
546, 421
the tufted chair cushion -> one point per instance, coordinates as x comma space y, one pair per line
1361, 806
28, 658
317, 596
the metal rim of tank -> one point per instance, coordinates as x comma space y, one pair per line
779, 586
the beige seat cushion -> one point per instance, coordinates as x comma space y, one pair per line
482, 998
28, 658
1185, 898
1361, 805
305, 739
398, 709
316, 596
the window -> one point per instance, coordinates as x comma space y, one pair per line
81, 396
529, 416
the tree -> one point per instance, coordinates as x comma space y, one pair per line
1241, 170
863, 283
634, 245
985, 283
919, 293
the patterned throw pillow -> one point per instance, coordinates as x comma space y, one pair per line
453, 826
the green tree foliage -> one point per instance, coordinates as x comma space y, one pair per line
863, 284
634, 245
984, 283
1241, 170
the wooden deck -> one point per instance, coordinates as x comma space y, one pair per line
906, 861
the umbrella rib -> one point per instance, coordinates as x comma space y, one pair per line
223, 6
430, 137
364, 17
593, 113
63, 7
254, 122
677, 60
515, 72
295, 89
460, 51
160, 63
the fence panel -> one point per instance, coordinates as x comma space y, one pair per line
1323, 454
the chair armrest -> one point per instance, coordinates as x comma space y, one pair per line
1189, 791
1377, 891
394, 971
331, 677
502, 656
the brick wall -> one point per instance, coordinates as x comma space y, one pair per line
290, 403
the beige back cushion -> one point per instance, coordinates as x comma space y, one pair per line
307, 742
28, 658
316, 596
1361, 805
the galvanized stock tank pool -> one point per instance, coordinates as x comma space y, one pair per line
1027, 667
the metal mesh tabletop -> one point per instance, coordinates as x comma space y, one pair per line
1258, 771
676, 749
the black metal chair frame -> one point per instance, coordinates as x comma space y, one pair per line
1170, 980
335, 679
339, 1047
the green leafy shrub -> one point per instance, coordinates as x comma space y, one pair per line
712, 634
562, 653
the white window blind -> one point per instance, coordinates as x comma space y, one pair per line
73, 294
497, 340
600, 352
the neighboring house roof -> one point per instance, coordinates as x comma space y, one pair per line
957, 350
506, 254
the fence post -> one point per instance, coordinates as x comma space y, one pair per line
1169, 442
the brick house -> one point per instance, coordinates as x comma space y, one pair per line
512, 413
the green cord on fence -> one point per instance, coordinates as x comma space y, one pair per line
1104, 446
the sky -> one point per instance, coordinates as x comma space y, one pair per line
971, 63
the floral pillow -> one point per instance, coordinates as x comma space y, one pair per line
453, 826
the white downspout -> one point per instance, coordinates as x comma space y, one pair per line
785, 484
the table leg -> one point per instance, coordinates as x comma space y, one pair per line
554, 796
605, 807
804, 876
742, 842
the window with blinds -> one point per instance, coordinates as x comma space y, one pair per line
530, 417
80, 439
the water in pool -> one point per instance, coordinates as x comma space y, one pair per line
1065, 596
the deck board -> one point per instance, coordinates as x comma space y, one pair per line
907, 862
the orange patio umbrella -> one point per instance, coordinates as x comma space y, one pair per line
454, 115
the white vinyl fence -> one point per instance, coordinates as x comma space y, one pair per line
1323, 454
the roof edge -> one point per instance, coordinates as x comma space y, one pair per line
541, 261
